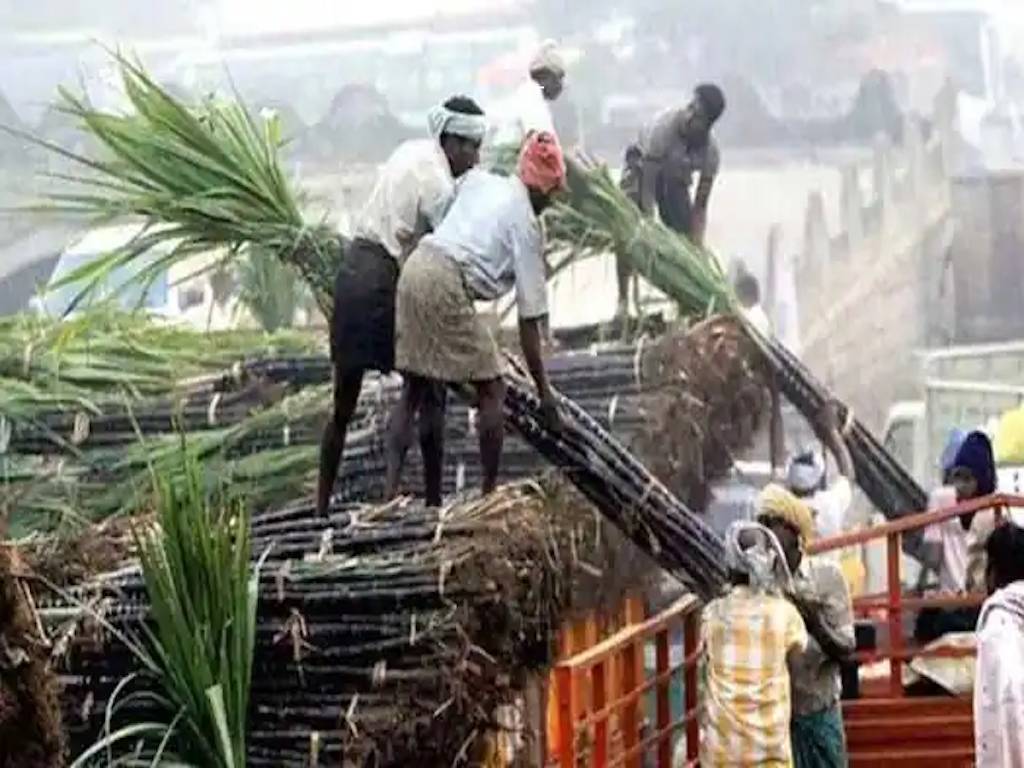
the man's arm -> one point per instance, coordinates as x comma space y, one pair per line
699, 213
828, 615
832, 436
531, 333
527, 247
649, 171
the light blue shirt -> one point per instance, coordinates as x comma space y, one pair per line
494, 236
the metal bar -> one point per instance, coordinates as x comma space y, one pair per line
913, 522
598, 681
634, 633
691, 642
629, 720
661, 652
566, 717
895, 616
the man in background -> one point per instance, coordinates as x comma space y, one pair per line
528, 109
672, 150
805, 477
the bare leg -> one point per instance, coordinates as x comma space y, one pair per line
491, 426
400, 430
332, 446
432, 415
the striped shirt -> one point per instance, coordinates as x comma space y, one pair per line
747, 706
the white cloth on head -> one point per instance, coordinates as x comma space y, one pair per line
548, 57
761, 558
999, 680
524, 111
413, 190
802, 477
441, 120
494, 236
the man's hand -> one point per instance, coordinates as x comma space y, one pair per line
550, 413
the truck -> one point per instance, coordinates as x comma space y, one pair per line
969, 387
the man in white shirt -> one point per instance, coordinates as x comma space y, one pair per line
489, 244
528, 109
413, 191
999, 675
805, 477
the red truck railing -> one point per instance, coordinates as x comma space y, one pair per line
891, 605
599, 721
599, 693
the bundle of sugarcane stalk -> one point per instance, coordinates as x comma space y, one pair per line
385, 636
79, 366
208, 175
693, 278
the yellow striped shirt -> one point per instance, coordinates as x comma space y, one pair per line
747, 705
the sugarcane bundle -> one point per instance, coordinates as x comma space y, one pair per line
693, 278
386, 636
209, 175
83, 364
703, 403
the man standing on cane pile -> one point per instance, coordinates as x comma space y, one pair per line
413, 191
490, 243
820, 595
659, 170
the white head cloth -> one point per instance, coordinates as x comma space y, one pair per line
805, 472
752, 549
440, 120
548, 58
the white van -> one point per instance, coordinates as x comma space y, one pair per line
177, 294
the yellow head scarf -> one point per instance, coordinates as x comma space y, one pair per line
776, 501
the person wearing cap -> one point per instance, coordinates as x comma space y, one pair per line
528, 110
805, 477
661, 166
413, 190
955, 548
488, 245
750, 633
820, 595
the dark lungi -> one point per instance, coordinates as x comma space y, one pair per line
363, 321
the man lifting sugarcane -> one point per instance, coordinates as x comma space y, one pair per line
413, 191
658, 170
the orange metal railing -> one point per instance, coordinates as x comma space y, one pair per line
600, 694
890, 606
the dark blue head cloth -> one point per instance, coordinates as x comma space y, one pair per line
975, 454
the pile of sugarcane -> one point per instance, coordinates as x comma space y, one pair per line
270, 455
387, 635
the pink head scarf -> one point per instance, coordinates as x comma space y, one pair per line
541, 165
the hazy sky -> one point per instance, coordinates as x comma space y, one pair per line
259, 16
